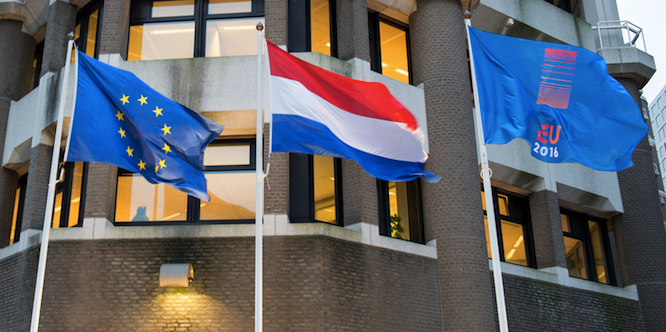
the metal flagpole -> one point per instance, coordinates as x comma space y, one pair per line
487, 188
259, 213
39, 286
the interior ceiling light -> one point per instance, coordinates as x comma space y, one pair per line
170, 31
239, 27
400, 71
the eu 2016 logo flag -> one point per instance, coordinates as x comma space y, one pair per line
557, 97
119, 120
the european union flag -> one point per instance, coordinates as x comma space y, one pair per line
559, 98
119, 120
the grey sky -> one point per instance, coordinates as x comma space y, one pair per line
650, 15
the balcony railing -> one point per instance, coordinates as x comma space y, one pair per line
629, 32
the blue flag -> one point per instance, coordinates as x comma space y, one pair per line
119, 120
557, 97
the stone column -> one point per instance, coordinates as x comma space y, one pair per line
276, 21
37, 188
16, 59
114, 36
453, 214
547, 230
359, 199
639, 231
352, 26
61, 21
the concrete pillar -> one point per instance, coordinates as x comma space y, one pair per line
101, 191
547, 230
115, 27
359, 199
453, 214
276, 19
37, 188
16, 58
352, 26
61, 21
639, 231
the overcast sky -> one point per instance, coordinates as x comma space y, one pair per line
650, 15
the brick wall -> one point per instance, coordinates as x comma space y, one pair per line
61, 21
276, 198
359, 193
37, 187
352, 26
18, 274
101, 191
547, 229
115, 27
276, 21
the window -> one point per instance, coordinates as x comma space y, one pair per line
389, 47
86, 32
172, 29
71, 191
17, 211
315, 189
514, 230
312, 27
400, 210
230, 173
37, 65
571, 6
586, 245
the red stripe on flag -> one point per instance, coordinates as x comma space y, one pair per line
369, 99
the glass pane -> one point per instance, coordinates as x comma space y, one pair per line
75, 197
232, 37
154, 41
598, 251
399, 210
77, 32
485, 224
229, 6
394, 52
232, 196
566, 227
575, 257
321, 27
483, 200
514, 246
324, 188
172, 8
12, 231
138, 200
57, 210
228, 154
503, 204
92, 34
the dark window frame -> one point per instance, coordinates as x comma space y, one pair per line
140, 13
39, 56
65, 187
522, 207
193, 210
415, 208
299, 38
82, 18
301, 190
374, 18
22, 185
582, 232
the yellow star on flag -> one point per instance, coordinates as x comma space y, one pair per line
119, 115
166, 149
129, 151
162, 163
166, 130
157, 167
122, 132
158, 111
124, 99
141, 164
143, 100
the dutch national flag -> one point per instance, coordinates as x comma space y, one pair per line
319, 112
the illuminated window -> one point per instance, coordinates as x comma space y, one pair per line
586, 245
173, 29
312, 26
86, 32
315, 189
513, 228
230, 175
400, 210
37, 64
71, 191
389, 47
17, 211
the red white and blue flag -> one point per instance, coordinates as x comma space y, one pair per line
319, 112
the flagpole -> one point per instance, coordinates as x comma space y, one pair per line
487, 188
46, 231
259, 213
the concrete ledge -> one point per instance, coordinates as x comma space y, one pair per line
629, 62
29, 239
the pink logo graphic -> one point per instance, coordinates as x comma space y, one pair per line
556, 78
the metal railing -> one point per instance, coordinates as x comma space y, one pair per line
631, 31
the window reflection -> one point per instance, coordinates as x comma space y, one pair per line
575, 257
324, 188
229, 6
228, 154
232, 196
230, 37
138, 200
514, 244
399, 210
154, 41
92, 33
393, 48
585, 245
172, 8
320, 26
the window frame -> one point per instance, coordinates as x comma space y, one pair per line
140, 13
528, 235
65, 187
301, 190
22, 185
37, 71
385, 212
82, 18
374, 18
193, 213
586, 240
299, 37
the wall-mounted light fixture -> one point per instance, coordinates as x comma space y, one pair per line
176, 275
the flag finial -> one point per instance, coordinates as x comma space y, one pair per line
260, 26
